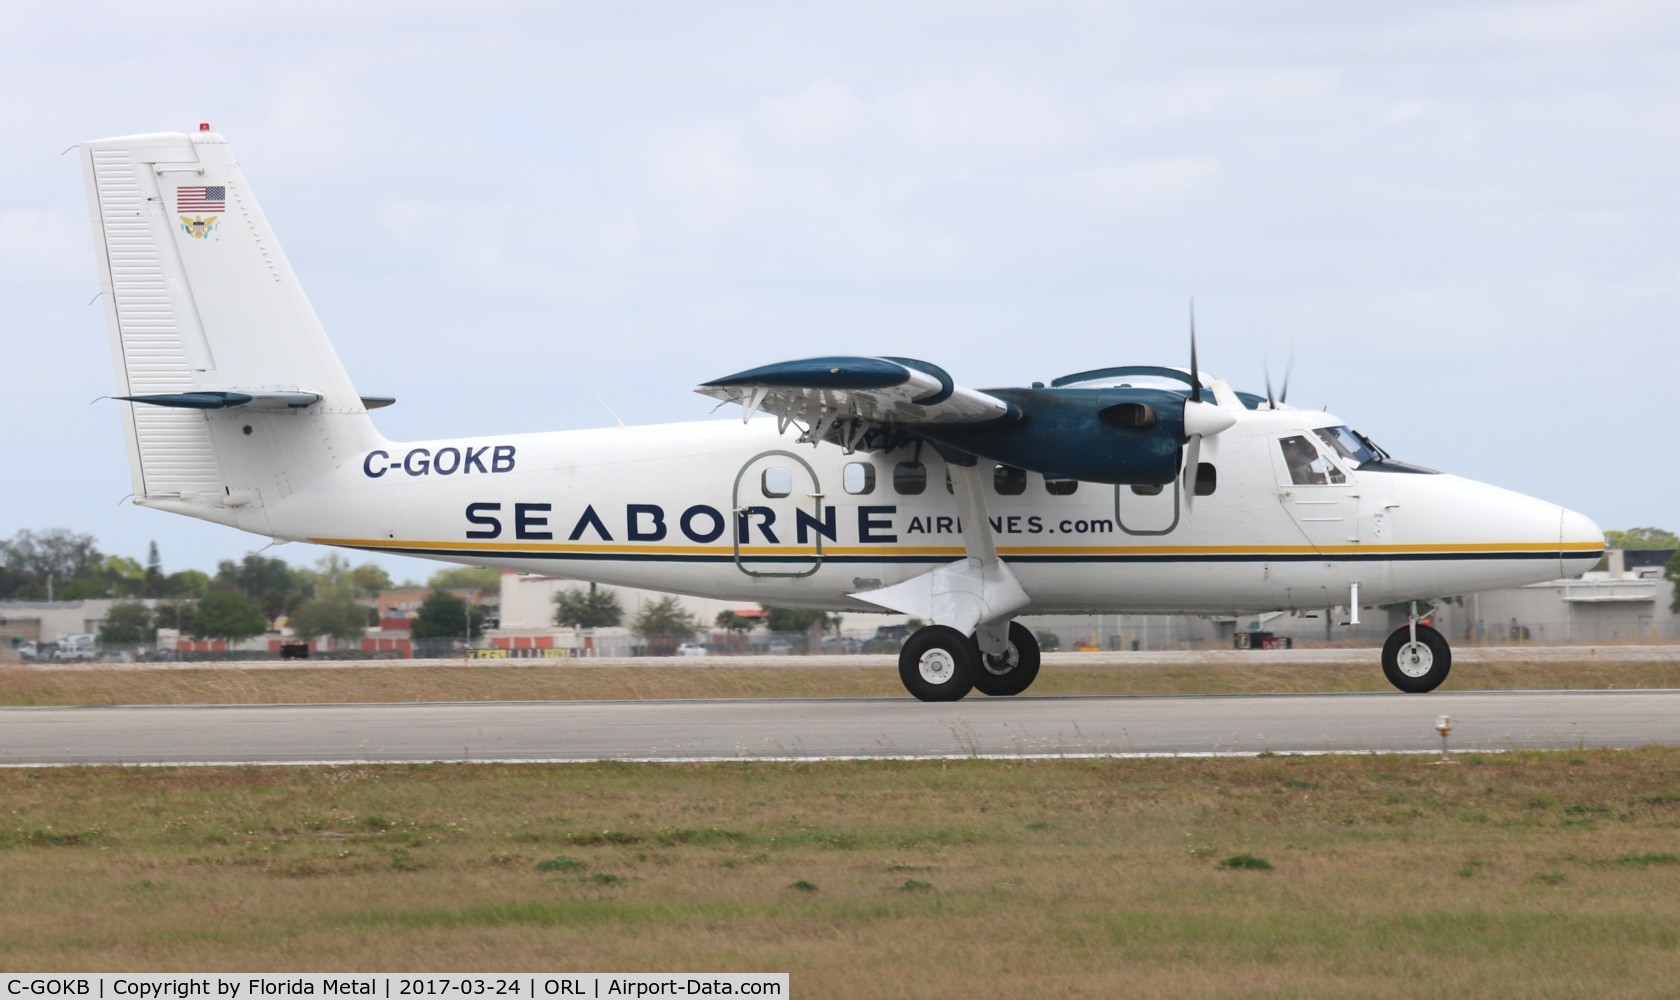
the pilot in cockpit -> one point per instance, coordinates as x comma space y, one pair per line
1299, 455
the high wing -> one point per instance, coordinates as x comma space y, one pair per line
823, 393
1097, 433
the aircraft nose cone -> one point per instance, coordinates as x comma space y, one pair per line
1580, 542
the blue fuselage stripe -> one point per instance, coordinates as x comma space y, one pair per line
1115, 558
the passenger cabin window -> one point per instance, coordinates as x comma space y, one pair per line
909, 478
1060, 487
1147, 489
858, 478
1009, 481
1307, 467
777, 482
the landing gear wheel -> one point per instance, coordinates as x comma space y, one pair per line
1416, 667
938, 663
1011, 671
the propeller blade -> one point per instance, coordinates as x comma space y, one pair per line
1289, 369
1195, 374
1271, 403
1192, 463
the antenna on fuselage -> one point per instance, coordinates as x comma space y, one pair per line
609, 409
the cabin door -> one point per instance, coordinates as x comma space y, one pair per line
779, 520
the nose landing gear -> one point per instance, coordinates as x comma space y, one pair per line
1416, 658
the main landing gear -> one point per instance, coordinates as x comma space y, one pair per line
939, 663
1416, 658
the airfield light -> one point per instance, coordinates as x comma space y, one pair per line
1443, 725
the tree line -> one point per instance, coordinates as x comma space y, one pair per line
666, 618
241, 600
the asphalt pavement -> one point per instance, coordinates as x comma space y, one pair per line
835, 728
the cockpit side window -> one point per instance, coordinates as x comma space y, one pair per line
1307, 467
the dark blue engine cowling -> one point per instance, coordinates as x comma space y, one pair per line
1117, 436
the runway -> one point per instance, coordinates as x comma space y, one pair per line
788, 729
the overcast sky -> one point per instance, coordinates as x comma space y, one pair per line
1462, 218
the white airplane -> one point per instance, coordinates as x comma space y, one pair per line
869, 483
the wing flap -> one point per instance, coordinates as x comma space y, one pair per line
824, 392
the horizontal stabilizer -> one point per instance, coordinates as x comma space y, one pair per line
256, 399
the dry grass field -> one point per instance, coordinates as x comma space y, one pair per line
1531, 875
209, 685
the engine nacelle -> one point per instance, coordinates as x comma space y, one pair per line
1116, 436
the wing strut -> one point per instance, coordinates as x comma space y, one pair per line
978, 594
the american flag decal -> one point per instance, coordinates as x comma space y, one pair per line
201, 199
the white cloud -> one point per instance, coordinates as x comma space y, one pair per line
1140, 184
1403, 111
1577, 24
1288, 85
1222, 89
36, 244
1163, 101
983, 114
700, 174
822, 113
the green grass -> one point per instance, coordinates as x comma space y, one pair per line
1516, 875
561, 863
1247, 862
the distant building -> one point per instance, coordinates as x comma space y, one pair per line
59, 618
1629, 600
527, 606
396, 607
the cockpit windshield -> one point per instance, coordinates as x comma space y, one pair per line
1351, 445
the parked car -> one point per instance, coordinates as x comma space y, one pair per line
888, 639
691, 649
76, 647
780, 647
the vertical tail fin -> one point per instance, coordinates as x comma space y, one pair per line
233, 397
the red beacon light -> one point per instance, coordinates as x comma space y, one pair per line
204, 126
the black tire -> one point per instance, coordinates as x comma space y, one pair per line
938, 663
1416, 671
1014, 671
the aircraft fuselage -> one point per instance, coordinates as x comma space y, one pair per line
742, 512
